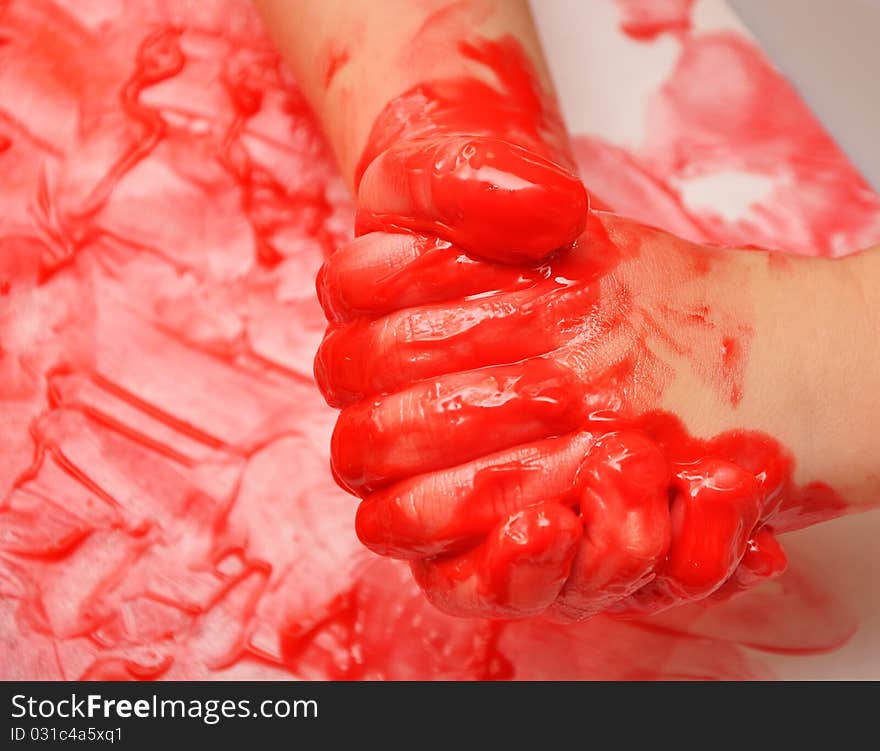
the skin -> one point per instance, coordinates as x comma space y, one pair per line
800, 334
813, 362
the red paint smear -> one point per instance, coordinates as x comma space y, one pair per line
645, 20
337, 59
176, 461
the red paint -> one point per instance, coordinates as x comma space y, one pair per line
151, 529
487, 167
337, 59
645, 20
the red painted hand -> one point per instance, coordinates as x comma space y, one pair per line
502, 424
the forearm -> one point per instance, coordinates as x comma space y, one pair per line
352, 58
811, 367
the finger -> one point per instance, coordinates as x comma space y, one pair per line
715, 508
763, 457
517, 572
625, 513
713, 514
381, 272
374, 357
493, 199
453, 419
446, 511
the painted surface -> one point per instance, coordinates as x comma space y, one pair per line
167, 508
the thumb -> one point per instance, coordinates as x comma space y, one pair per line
489, 197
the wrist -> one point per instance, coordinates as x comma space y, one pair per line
815, 373
806, 345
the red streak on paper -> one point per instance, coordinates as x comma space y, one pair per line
166, 509
711, 118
